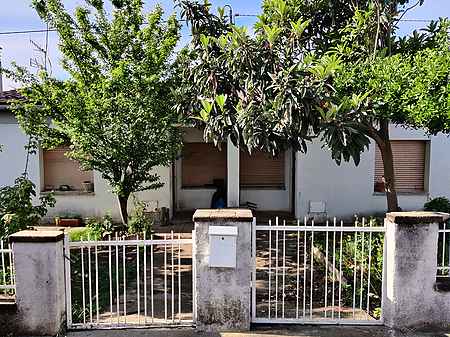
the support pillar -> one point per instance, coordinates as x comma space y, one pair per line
410, 298
40, 287
222, 294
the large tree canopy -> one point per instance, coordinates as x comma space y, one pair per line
333, 70
115, 108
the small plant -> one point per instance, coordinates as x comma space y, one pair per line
99, 228
139, 222
17, 210
439, 204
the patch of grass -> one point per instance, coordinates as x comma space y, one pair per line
76, 234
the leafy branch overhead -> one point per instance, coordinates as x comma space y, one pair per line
262, 90
115, 108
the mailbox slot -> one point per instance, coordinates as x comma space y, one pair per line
222, 246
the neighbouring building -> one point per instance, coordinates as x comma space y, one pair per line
301, 184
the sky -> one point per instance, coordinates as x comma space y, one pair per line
17, 15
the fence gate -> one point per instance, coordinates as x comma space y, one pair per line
317, 274
130, 282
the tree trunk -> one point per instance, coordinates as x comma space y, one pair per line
123, 205
383, 141
389, 176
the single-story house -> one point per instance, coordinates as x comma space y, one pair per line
302, 184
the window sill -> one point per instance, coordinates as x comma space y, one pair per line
255, 187
206, 187
402, 193
68, 193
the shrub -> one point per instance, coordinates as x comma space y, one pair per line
17, 211
139, 222
439, 204
98, 228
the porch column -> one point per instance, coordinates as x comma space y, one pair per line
232, 174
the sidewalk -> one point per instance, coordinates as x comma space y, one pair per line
266, 331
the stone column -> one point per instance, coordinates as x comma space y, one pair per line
40, 288
233, 188
222, 294
410, 298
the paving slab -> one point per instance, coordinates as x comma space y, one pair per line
266, 331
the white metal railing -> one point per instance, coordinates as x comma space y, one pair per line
129, 283
443, 269
7, 276
317, 274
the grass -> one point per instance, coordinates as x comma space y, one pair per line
76, 234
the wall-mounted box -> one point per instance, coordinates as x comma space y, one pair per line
222, 246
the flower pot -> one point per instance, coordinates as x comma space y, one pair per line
67, 222
88, 186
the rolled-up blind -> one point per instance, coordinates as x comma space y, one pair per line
409, 165
261, 169
60, 170
201, 163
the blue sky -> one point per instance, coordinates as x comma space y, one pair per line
18, 15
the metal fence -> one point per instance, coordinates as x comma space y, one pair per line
443, 269
330, 273
129, 282
7, 278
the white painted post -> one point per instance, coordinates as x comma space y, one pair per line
40, 286
232, 174
409, 297
222, 294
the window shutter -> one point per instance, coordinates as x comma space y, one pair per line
409, 165
201, 163
261, 169
60, 170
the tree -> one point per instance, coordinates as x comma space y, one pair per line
293, 82
401, 81
115, 108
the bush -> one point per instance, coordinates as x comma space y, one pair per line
17, 211
139, 222
439, 204
99, 228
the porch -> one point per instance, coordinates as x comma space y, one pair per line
258, 180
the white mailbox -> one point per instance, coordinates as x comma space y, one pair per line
222, 246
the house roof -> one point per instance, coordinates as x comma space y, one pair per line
6, 96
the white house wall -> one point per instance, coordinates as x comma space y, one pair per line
13, 156
12, 161
103, 201
348, 190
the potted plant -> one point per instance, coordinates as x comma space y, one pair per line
68, 220
88, 186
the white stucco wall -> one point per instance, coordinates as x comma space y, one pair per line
12, 161
13, 156
348, 190
103, 201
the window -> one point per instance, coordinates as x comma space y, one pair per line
62, 173
202, 163
261, 170
409, 166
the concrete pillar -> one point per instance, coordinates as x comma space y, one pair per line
232, 174
410, 299
222, 294
40, 287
